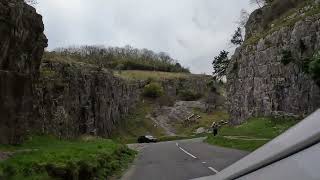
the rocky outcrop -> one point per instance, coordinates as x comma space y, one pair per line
76, 99
22, 44
260, 84
262, 18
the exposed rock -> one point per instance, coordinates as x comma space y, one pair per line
259, 84
21, 36
76, 99
262, 18
166, 116
22, 45
201, 130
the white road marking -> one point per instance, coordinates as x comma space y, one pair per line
212, 169
186, 151
204, 162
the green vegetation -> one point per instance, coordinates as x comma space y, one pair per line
314, 67
220, 64
49, 158
252, 134
237, 38
138, 124
153, 90
188, 95
286, 57
149, 75
247, 145
126, 58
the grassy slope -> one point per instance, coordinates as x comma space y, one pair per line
41, 156
138, 124
255, 128
145, 75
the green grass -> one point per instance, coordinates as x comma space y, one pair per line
50, 158
254, 128
138, 124
147, 75
235, 143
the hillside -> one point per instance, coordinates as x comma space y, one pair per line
117, 58
274, 71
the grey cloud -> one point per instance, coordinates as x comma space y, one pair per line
192, 31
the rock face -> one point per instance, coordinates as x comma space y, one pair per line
259, 84
22, 43
75, 99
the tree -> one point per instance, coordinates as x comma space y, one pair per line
237, 38
153, 90
31, 2
220, 64
260, 3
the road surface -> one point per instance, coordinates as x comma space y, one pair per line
180, 160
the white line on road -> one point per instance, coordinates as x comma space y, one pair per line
212, 169
186, 151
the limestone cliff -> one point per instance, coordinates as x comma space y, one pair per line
259, 83
75, 99
22, 43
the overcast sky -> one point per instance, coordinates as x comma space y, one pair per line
192, 31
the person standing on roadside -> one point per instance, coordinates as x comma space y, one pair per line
214, 127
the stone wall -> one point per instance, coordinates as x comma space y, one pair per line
259, 84
22, 43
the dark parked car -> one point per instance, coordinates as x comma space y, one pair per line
147, 139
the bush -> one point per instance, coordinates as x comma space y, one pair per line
286, 57
153, 90
188, 95
314, 68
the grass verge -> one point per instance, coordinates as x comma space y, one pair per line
41, 158
254, 128
247, 145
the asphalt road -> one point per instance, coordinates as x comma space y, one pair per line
180, 160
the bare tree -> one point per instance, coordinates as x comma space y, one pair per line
31, 2
244, 17
260, 3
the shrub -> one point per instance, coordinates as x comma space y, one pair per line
314, 68
153, 90
188, 95
286, 57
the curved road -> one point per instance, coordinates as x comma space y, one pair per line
180, 160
